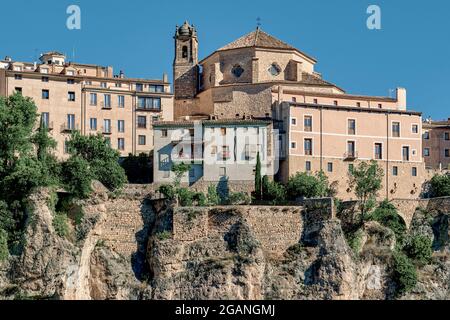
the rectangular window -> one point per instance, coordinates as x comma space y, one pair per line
149, 103
308, 166
71, 96
426, 135
103, 84
121, 126
426, 152
315, 101
164, 133
396, 129
121, 101
351, 149
308, 147
107, 126
294, 99
45, 94
405, 153
18, 77
308, 123
45, 119
93, 124
70, 81
293, 145
446, 136
107, 101
414, 171
225, 153
93, 99
395, 171
142, 140
121, 143
336, 102
330, 166
139, 87
45, 79
380, 106
351, 126
118, 85
447, 153
71, 121
155, 88
358, 104
142, 122
415, 128
294, 121
378, 151
18, 90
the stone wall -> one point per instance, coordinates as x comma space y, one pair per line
276, 228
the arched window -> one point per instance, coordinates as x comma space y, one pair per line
274, 69
184, 52
237, 71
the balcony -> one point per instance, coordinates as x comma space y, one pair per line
144, 109
105, 106
66, 127
107, 130
350, 155
48, 125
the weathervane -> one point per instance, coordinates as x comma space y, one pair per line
258, 22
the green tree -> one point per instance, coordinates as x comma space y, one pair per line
265, 188
258, 185
405, 275
440, 186
102, 159
307, 186
4, 252
77, 177
180, 170
419, 248
213, 197
387, 215
366, 180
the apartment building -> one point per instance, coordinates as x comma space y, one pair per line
91, 99
217, 150
322, 126
436, 144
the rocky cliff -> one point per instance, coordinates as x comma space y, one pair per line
214, 253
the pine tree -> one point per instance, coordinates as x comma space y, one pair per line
258, 186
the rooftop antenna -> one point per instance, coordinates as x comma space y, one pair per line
258, 23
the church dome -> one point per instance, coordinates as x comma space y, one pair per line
185, 29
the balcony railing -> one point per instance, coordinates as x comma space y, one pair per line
106, 106
351, 155
107, 130
66, 127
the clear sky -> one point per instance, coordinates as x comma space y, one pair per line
411, 50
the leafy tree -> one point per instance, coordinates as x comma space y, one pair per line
265, 188
168, 191
238, 198
77, 176
213, 197
405, 275
308, 186
4, 252
419, 248
138, 168
186, 197
440, 186
103, 160
274, 191
258, 185
366, 180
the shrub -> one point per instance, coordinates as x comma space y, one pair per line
138, 168
60, 223
419, 248
305, 185
440, 186
186, 197
168, 191
4, 253
265, 188
200, 199
239, 198
213, 197
258, 182
77, 177
354, 240
405, 275
164, 235
387, 215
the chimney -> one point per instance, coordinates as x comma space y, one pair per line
401, 98
165, 77
121, 74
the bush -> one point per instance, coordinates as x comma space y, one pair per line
354, 240
200, 199
307, 186
60, 223
405, 275
138, 169
186, 197
164, 235
167, 191
4, 253
239, 198
213, 197
387, 215
77, 177
276, 193
440, 186
419, 248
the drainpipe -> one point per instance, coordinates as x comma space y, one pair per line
321, 138
387, 155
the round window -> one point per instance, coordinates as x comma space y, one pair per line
274, 69
237, 71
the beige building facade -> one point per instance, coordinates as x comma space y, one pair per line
322, 127
90, 99
436, 144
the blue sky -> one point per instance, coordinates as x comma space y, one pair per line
411, 50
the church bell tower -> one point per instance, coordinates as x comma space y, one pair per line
185, 68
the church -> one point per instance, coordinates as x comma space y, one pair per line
311, 124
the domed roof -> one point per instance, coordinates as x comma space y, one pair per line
185, 29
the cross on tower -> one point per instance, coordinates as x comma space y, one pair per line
258, 22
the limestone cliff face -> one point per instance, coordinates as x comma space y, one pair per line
132, 248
